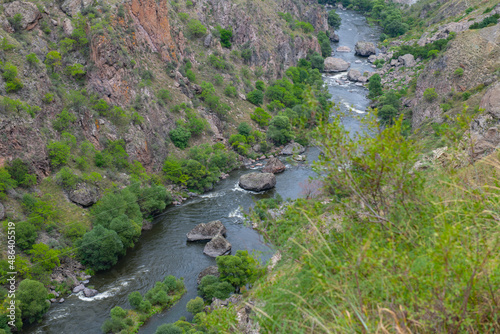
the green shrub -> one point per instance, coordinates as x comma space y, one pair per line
9, 74
225, 36
32, 59
387, 114
44, 257
191, 76
164, 96
210, 287
48, 98
113, 325
16, 22
244, 129
168, 329
26, 234
67, 178
53, 60
184, 17
334, 19
261, 117
19, 172
63, 121
466, 95
33, 298
135, 299
459, 72
230, 91
218, 79
59, 153
239, 270
280, 130
306, 27
324, 42
196, 28
100, 248
491, 20
446, 107
76, 70
430, 94
255, 97
180, 137
114, 155
195, 305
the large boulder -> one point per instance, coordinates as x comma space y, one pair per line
354, 75
206, 231
293, 148
218, 246
343, 49
257, 181
73, 7
2, 211
29, 13
364, 49
212, 270
90, 292
334, 38
491, 100
79, 288
274, 165
84, 194
407, 60
335, 65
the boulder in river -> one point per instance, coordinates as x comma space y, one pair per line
90, 292
293, 148
343, 49
212, 270
206, 231
84, 194
354, 75
335, 65
218, 246
257, 181
274, 165
78, 288
364, 49
334, 38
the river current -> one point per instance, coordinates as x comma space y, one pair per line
163, 250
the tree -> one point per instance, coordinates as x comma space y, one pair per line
210, 287
43, 256
256, 97
280, 130
239, 270
63, 120
387, 114
168, 329
180, 137
59, 152
375, 86
430, 94
196, 28
53, 60
6, 182
261, 117
100, 248
135, 299
244, 129
26, 234
225, 37
195, 305
334, 19
33, 298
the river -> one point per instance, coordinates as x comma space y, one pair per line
163, 250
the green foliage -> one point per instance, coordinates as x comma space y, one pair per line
26, 234
459, 72
6, 182
231, 91
260, 85
212, 100
196, 125
280, 130
334, 19
13, 84
32, 59
53, 60
19, 171
488, 21
100, 248
44, 257
244, 129
180, 137
424, 52
135, 299
33, 298
324, 42
219, 63
239, 270
164, 96
5, 45
63, 121
225, 36
255, 97
67, 178
48, 98
168, 329
211, 287
195, 305
306, 27
76, 70
59, 153
113, 156
261, 117
430, 94
374, 86
16, 22
196, 28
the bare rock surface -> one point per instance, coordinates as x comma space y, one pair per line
84, 194
336, 65
206, 231
217, 246
29, 13
212, 270
364, 49
257, 181
293, 148
274, 165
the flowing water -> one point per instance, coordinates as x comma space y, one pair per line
164, 251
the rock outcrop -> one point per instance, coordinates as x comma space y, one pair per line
293, 148
29, 13
217, 246
257, 181
407, 60
335, 65
73, 7
491, 101
212, 270
206, 231
274, 165
364, 49
84, 194
354, 75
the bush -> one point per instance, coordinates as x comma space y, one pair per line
13, 83
280, 130
261, 117
53, 60
324, 42
306, 27
239, 270
135, 299
387, 114
76, 70
334, 19
244, 129
59, 153
180, 137
195, 305
256, 97
459, 72
100, 248
225, 37
445, 106
33, 298
63, 120
32, 59
491, 20
430, 94
196, 28
19, 172
211, 287
113, 325
26, 234
168, 329
230, 91
375, 86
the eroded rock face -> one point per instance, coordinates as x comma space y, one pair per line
274, 165
336, 65
257, 181
73, 7
217, 246
206, 231
84, 194
293, 148
29, 12
407, 60
491, 100
364, 49
212, 270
